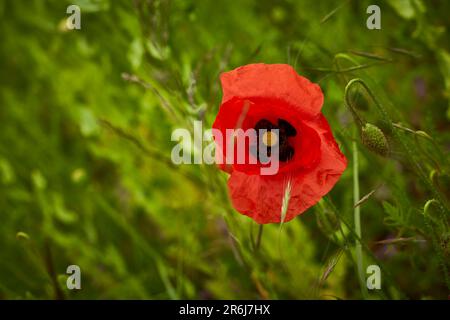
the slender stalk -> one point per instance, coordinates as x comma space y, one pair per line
435, 241
258, 239
357, 221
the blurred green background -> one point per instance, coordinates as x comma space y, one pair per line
85, 172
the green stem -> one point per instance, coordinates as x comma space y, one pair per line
258, 239
435, 241
360, 122
357, 221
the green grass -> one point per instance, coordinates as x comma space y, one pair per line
85, 170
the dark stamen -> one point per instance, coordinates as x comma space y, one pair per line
286, 151
264, 124
287, 127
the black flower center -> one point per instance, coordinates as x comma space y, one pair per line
270, 139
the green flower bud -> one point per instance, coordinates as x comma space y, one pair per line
374, 139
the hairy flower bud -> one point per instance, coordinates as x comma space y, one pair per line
374, 139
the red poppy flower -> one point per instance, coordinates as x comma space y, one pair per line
262, 96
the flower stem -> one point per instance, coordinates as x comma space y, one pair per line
258, 239
435, 241
357, 220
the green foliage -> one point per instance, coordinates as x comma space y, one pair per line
86, 177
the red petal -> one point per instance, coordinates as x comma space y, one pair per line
236, 113
260, 197
273, 81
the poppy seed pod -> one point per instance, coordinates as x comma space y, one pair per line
374, 139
